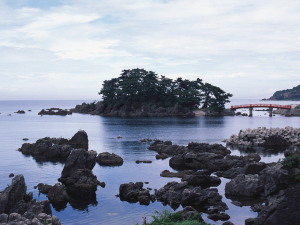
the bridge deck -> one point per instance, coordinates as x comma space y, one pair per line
261, 106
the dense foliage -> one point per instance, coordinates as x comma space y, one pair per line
137, 87
169, 218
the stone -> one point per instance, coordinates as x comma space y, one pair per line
80, 140
109, 159
134, 192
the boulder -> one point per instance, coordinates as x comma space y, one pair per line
244, 186
12, 194
276, 142
109, 159
18, 207
55, 111
134, 192
77, 174
176, 194
255, 168
79, 159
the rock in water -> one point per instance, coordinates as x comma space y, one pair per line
80, 140
109, 159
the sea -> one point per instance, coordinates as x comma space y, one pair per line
102, 133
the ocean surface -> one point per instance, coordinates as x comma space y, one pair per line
102, 133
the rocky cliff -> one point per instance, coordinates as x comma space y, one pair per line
288, 94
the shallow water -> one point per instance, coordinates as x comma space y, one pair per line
102, 132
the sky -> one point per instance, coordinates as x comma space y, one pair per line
65, 49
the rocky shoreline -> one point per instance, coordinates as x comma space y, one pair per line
19, 207
269, 188
97, 108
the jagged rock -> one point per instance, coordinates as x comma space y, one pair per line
212, 148
244, 186
77, 173
55, 111
134, 192
80, 140
79, 159
55, 148
175, 194
17, 207
109, 159
12, 194
270, 180
281, 209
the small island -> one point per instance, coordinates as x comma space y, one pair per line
288, 94
141, 93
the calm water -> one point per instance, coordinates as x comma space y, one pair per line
102, 134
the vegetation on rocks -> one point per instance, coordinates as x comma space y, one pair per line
138, 88
169, 218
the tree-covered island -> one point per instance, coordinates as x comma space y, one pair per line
138, 92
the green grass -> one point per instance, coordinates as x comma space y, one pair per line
169, 218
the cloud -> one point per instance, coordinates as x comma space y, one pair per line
220, 41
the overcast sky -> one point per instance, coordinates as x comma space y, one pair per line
65, 49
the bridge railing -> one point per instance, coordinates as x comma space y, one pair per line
261, 106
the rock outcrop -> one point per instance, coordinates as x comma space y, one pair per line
208, 200
77, 173
55, 111
134, 192
55, 148
280, 138
288, 94
17, 207
109, 159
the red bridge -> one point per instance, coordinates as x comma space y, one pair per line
251, 106
261, 106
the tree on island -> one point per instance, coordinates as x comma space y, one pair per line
136, 88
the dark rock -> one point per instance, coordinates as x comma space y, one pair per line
271, 180
255, 168
175, 194
12, 194
189, 212
276, 142
11, 175
58, 194
181, 174
16, 206
55, 111
134, 192
228, 223
79, 159
20, 112
244, 186
231, 173
25, 139
212, 148
295, 150
143, 161
80, 140
221, 216
44, 188
161, 156
202, 180
281, 209
77, 174
109, 159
